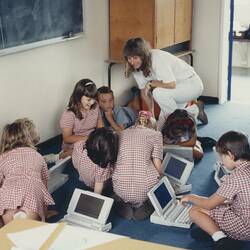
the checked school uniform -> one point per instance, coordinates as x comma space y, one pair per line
23, 181
134, 173
88, 171
233, 218
80, 127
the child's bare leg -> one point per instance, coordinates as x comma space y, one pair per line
202, 219
8, 215
32, 215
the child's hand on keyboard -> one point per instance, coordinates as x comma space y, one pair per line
185, 199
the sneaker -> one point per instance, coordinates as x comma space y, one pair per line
51, 158
200, 235
202, 117
228, 244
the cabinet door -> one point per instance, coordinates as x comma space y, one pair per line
183, 20
164, 25
127, 19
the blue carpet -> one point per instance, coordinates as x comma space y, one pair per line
222, 118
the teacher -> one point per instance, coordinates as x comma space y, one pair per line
169, 80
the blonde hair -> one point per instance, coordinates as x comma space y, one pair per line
20, 133
146, 119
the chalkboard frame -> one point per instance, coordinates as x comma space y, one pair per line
41, 43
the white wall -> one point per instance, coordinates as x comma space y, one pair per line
241, 13
205, 42
37, 83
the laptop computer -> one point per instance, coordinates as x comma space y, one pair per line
178, 170
56, 176
184, 152
220, 172
168, 210
88, 209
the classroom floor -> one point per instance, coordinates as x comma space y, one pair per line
221, 119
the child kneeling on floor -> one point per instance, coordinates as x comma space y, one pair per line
138, 168
225, 215
23, 174
94, 160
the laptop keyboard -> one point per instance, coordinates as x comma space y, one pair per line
72, 219
180, 214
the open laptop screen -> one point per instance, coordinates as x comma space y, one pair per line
162, 195
175, 168
89, 206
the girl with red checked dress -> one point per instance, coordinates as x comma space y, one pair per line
138, 168
94, 161
23, 174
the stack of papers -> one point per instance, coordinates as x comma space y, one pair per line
70, 237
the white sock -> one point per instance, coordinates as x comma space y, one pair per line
20, 215
218, 235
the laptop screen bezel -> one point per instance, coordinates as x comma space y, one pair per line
185, 152
105, 210
185, 174
151, 194
216, 174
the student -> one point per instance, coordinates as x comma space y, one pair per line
81, 116
23, 174
226, 214
137, 169
116, 117
169, 80
179, 128
94, 161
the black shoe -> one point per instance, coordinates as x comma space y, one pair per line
228, 244
122, 208
207, 143
202, 117
144, 211
200, 235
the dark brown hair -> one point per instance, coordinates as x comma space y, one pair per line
102, 146
138, 47
236, 143
84, 87
105, 90
176, 124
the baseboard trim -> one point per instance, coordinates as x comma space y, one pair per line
209, 99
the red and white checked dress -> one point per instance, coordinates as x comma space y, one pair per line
234, 218
89, 172
135, 174
23, 181
80, 127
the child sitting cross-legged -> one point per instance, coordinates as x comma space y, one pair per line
225, 215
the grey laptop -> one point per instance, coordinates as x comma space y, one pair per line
168, 210
88, 209
56, 176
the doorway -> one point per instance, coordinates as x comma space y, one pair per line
239, 81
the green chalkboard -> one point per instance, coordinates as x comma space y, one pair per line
28, 21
